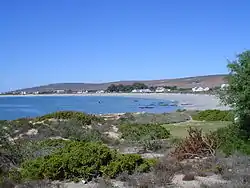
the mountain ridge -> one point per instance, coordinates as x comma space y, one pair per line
185, 82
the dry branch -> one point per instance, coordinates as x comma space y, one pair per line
196, 145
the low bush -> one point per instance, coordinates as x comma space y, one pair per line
9, 155
150, 118
232, 141
137, 132
161, 175
196, 144
70, 129
127, 163
32, 150
82, 160
80, 116
236, 168
214, 115
76, 130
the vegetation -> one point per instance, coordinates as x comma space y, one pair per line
197, 145
83, 156
65, 115
231, 140
180, 130
150, 118
125, 88
237, 94
214, 115
139, 132
82, 160
128, 88
79, 153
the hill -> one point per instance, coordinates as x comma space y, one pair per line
187, 82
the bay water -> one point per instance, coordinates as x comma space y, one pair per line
15, 107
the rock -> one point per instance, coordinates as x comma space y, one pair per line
83, 181
32, 132
128, 150
152, 155
214, 179
82, 184
198, 181
113, 135
58, 138
119, 184
178, 181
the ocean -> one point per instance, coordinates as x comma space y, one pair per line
15, 107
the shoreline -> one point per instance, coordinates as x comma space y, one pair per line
185, 101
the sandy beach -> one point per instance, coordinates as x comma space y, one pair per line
186, 101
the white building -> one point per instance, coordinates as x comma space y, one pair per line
134, 91
197, 89
23, 93
100, 91
36, 92
81, 92
145, 91
60, 91
160, 90
206, 89
141, 91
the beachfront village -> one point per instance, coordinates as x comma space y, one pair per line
134, 88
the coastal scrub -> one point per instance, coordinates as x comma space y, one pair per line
83, 160
214, 115
86, 119
138, 132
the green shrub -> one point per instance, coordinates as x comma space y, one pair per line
53, 143
151, 118
214, 115
231, 140
76, 130
181, 110
80, 116
126, 163
33, 149
82, 160
139, 132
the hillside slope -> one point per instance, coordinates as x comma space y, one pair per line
188, 82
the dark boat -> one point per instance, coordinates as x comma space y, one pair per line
146, 107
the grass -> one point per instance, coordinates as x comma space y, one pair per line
180, 129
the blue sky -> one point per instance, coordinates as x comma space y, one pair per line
52, 41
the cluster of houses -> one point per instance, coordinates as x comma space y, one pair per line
200, 89
141, 91
204, 89
157, 90
60, 91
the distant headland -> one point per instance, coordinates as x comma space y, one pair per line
201, 84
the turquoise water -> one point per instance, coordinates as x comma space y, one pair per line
19, 107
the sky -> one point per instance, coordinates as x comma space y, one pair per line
55, 41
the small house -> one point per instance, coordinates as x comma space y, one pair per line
134, 91
100, 91
60, 91
160, 90
197, 89
206, 89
